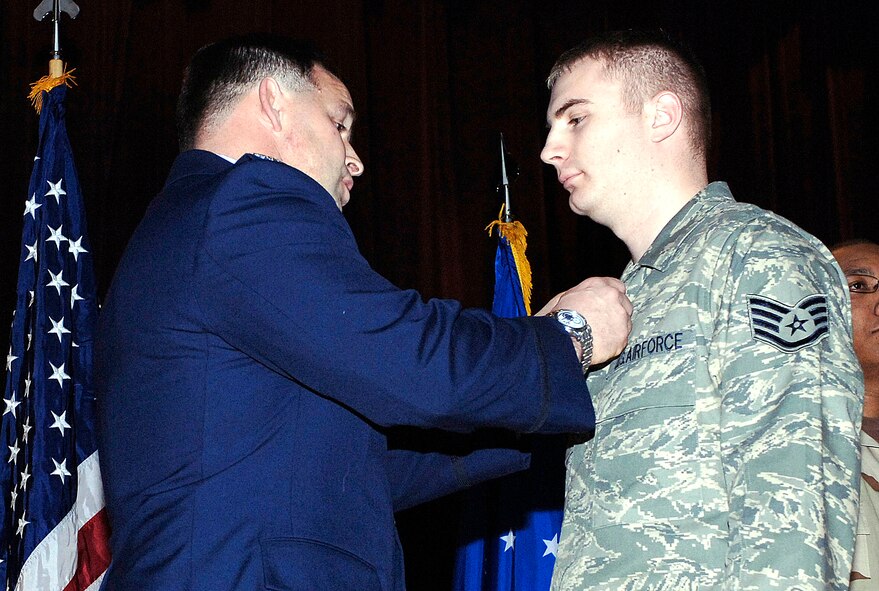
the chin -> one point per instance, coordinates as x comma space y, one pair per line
576, 205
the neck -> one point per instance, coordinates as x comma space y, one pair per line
241, 131
871, 395
231, 144
647, 219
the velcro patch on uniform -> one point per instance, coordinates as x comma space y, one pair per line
789, 328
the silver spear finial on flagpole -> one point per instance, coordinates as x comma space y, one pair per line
505, 182
55, 8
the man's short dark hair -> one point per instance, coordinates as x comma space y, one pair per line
222, 72
852, 242
646, 63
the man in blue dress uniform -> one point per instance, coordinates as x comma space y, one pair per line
249, 360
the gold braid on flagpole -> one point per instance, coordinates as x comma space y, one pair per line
47, 83
515, 234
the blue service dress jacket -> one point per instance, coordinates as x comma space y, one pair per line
248, 360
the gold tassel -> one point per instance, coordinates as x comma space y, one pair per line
47, 83
515, 234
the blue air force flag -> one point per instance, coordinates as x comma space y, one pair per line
511, 525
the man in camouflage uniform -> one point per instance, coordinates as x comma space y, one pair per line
725, 454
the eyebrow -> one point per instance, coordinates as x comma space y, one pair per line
858, 271
568, 104
345, 109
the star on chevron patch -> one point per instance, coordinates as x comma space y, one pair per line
788, 328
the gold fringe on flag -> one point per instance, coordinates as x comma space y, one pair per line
515, 234
47, 83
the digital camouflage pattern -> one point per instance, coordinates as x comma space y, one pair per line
865, 566
725, 454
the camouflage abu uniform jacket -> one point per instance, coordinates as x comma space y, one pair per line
725, 453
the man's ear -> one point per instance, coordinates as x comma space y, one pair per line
270, 100
668, 112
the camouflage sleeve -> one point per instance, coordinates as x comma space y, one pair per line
789, 412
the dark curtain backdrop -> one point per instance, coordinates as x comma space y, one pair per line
434, 81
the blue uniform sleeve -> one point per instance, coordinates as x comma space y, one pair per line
282, 280
418, 477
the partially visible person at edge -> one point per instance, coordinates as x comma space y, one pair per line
859, 260
725, 451
248, 359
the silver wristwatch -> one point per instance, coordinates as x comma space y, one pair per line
576, 326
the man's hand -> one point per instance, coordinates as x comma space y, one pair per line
603, 303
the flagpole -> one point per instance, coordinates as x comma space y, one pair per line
57, 73
512, 236
56, 66
512, 546
505, 183
55, 8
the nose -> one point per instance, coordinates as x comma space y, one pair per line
553, 150
352, 161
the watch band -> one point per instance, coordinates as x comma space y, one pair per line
578, 327
586, 343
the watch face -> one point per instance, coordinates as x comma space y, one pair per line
571, 318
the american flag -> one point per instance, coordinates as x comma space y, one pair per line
54, 526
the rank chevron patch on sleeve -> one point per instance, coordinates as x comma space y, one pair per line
788, 328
